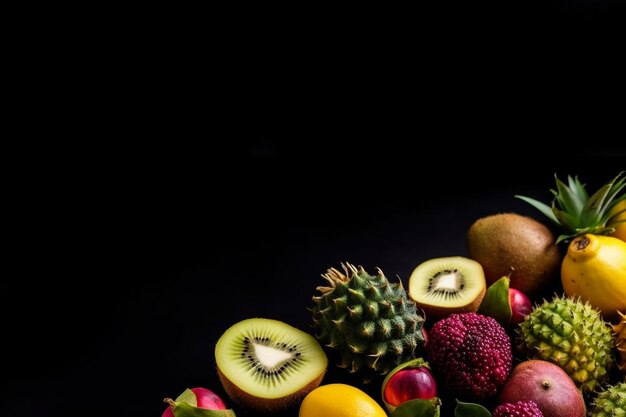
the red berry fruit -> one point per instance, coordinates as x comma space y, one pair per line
518, 409
409, 384
520, 306
205, 398
408, 381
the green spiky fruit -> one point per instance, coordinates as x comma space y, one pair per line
369, 321
611, 403
573, 335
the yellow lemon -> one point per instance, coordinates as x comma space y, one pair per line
339, 400
620, 229
594, 269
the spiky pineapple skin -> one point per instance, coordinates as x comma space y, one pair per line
370, 321
574, 336
620, 342
611, 403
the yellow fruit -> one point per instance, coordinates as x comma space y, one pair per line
620, 229
339, 400
594, 269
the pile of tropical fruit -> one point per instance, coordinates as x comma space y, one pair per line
530, 324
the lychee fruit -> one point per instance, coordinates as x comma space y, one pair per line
518, 409
471, 354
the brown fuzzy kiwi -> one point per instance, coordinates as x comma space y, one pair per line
443, 286
517, 245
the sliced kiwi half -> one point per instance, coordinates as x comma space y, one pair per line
267, 365
443, 286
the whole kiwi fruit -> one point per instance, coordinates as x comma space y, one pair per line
518, 246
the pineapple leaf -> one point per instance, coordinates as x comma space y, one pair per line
579, 188
561, 238
615, 190
597, 203
593, 206
568, 198
577, 213
610, 218
566, 220
543, 208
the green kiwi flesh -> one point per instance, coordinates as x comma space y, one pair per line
267, 365
443, 286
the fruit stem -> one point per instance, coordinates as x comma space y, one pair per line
169, 402
582, 243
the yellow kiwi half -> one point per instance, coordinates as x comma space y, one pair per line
267, 365
443, 286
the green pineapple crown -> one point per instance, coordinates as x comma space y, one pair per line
369, 320
576, 213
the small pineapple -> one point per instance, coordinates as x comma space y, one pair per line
595, 265
371, 322
577, 214
571, 334
611, 403
620, 342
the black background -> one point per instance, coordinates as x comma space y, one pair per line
132, 256
161, 265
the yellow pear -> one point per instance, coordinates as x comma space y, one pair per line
594, 269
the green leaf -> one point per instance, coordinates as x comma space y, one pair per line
183, 409
618, 200
617, 186
561, 238
497, 302
610, 219
595, 204
568, 199
612, 199
418, 408
580, 190
188, 397
543, 208
566, 221
470, 410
